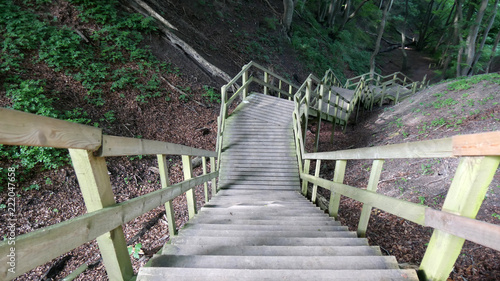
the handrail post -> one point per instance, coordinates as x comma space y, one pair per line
465, 196
205, 184
372, 186
338, 177
308, 104
92, 175
244, 79
188, 174
320, 110
266, 80
165, 183
307, 165
213, 168
315, 186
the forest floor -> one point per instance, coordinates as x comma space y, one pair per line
192, 122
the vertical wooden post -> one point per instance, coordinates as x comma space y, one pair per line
290, 91
266, 80
372, 186
279, 87
338, 177
307, 164
244, 79
320, 110
188, 174
315, 186
165, 183
308, 104
213, 168
465, 196
95, 185
205, 184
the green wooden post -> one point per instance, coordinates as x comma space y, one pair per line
165, 183
266, 80
188, 174
279, 87
372, 186
315, 186
318, 126
308, 104
213, 168
465, 196
244, 79
290, 91
307, 165
95, 185
205, 184
338, 177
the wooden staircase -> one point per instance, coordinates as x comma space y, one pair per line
258, 226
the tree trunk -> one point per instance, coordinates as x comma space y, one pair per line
493, 52
470, 42
288, 6
404, 66
381, 28
457, 37
478, 54
425, 26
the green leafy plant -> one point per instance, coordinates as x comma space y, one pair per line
211, 94
495, 215
135, 250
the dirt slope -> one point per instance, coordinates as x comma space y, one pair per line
440, 111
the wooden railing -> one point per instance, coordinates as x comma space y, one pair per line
374, 81
455, 223
88, 149
255, 78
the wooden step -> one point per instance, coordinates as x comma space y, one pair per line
202, 274
298, 251
269, 241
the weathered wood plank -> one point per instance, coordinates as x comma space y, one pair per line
122, 146
92, 175
477, 144
420, 149
465, 196
407, 210
338, 177
372, 187
58, 239
165, 183
479, 232
187, 168
21, 128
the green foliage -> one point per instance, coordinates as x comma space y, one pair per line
135, 250
211, 94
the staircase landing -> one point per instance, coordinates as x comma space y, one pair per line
259, 227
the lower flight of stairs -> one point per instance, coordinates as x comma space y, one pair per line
242, 235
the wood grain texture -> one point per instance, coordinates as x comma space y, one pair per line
477, 144
21, 128
123, 146
58, 239
420, 149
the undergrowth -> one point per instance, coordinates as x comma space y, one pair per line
31, 36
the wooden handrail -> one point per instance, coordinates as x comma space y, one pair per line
53, 241
22, 128
122, 146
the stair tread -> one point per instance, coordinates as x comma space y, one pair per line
199, 274
271, 250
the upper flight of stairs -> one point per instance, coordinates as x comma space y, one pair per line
258, 226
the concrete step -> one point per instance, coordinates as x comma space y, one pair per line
298, 251
202, 274
268, 241
276, 262
256, 234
